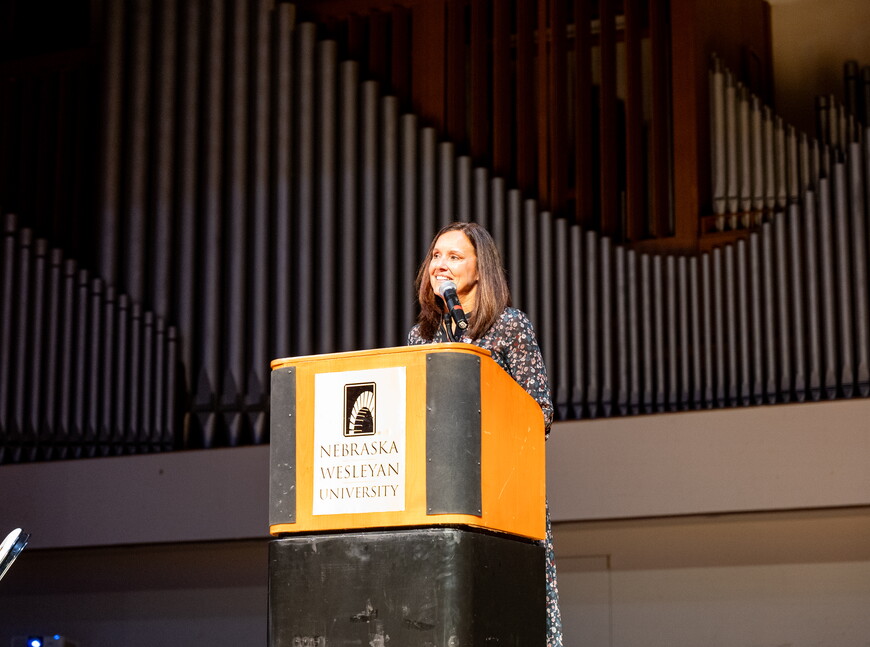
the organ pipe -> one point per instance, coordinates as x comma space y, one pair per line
296, 191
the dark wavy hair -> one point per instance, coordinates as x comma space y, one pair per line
493, 294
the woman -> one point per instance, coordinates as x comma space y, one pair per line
466, 254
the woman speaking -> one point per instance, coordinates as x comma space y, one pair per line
464, 296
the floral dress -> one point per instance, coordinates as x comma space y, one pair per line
514, 347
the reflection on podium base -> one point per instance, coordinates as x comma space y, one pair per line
436, 587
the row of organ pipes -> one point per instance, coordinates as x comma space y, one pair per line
84, 371
809, 196
761, 164
282, 210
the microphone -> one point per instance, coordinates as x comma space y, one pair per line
447, 290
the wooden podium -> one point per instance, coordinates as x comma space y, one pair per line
407, 495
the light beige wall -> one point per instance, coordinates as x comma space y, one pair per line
701, 462
799, 605
768, 579
811, 41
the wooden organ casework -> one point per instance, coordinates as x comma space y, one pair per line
203, 186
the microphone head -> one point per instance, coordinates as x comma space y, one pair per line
444, 286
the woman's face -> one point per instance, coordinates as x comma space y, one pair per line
454, 259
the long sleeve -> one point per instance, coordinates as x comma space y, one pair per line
523, 360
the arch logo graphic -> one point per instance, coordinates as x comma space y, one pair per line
359, 408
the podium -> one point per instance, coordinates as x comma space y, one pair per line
407, 501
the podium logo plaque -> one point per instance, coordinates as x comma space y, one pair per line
359, 445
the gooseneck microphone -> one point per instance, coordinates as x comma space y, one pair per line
447, 290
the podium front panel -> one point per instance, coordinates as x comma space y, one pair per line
412, 436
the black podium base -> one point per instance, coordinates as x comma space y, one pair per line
434, 587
